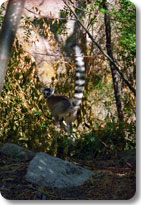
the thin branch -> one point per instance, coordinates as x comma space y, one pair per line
47, 54
105, 54
50, 17
75, 7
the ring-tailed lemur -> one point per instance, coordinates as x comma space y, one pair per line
63, 109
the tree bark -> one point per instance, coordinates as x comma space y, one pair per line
7, 34
78, 35
115, 76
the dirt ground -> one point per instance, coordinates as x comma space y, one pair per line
111, 181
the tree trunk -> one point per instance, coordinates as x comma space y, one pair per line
115, 76
78, 35
7, 35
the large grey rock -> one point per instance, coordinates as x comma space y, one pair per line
52, 172
17, 152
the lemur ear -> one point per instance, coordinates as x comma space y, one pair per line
42, 89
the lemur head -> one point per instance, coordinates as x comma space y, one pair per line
48, 92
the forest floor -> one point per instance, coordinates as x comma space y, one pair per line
111, 181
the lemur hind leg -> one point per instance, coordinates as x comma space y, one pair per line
66, 127
57, 124
61, 124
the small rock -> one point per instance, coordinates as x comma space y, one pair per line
17, 152
52, 172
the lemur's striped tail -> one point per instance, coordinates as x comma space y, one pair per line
80, 79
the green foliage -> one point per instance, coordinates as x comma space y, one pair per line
127, 16
106, 141
60, 26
